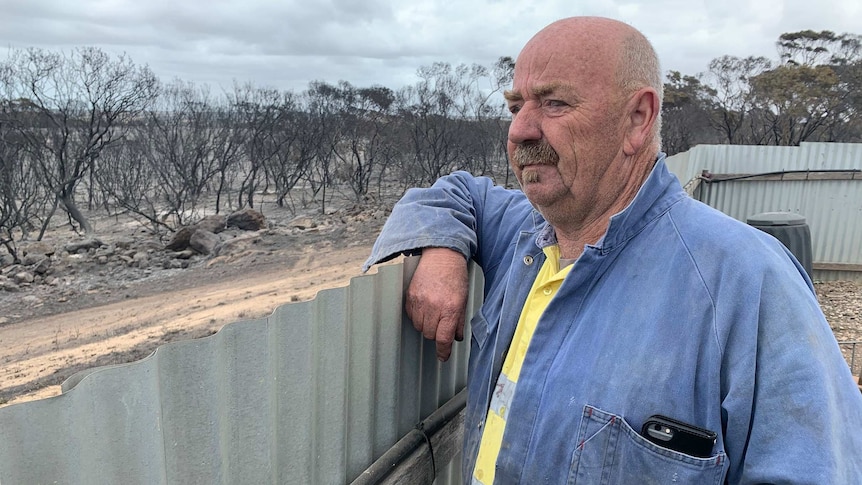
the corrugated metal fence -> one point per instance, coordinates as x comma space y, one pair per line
312, 394
831, 202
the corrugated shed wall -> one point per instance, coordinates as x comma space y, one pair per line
312, 394
832, 208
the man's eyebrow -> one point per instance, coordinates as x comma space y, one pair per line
541, 91
551, 88
512, 95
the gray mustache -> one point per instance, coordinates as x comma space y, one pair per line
535, 154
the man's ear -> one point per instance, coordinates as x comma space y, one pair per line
642, 110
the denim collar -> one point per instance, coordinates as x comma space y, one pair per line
649, 203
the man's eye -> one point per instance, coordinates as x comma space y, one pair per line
514, 109
555, 103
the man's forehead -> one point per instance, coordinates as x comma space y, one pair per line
540, 90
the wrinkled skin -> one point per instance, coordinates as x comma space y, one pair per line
437, 298
579, 144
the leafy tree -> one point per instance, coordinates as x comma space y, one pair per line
846, 61
810, 95
806, 47
796, 102
730, 96
686, 112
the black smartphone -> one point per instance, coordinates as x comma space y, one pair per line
678, 436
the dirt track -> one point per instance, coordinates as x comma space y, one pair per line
38, 354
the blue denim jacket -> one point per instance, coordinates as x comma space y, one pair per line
679, 310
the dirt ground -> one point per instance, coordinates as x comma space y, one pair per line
95, 314
37, 354
45, 340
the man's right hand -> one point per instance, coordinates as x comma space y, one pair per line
437, 298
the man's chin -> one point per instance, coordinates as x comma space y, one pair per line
532, 174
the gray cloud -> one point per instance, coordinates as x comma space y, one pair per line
288, 44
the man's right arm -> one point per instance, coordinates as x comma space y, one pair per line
464, 213
457, 219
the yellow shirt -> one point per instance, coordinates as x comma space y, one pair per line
544, 288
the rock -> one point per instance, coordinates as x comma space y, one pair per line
124, 242
9, 286
107, 251
247, 220
302, 222
203, 241
214, 224
141, 260
31, 300
184, 254
43, 266
30, 259
6, 260
236, 245
150, 245
10, 269
85, 245
102, 259
180, 240
23, 277
38, 248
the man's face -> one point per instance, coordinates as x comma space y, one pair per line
565, 140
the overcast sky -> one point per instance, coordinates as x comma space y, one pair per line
286, 44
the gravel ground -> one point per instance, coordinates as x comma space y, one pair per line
841, 302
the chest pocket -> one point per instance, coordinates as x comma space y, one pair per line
609, 451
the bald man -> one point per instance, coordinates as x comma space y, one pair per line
629, 334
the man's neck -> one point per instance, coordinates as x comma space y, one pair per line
572, 239
572, 244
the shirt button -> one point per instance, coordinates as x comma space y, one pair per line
547, 291
528, 260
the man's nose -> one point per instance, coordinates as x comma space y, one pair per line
525, 126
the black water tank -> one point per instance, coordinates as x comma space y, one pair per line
790, 229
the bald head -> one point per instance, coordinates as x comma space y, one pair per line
604, 44
601, 51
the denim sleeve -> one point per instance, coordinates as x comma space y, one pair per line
793, 415
458, 212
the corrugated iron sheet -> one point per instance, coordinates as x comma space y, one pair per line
832, 208
757, 158
313, 393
